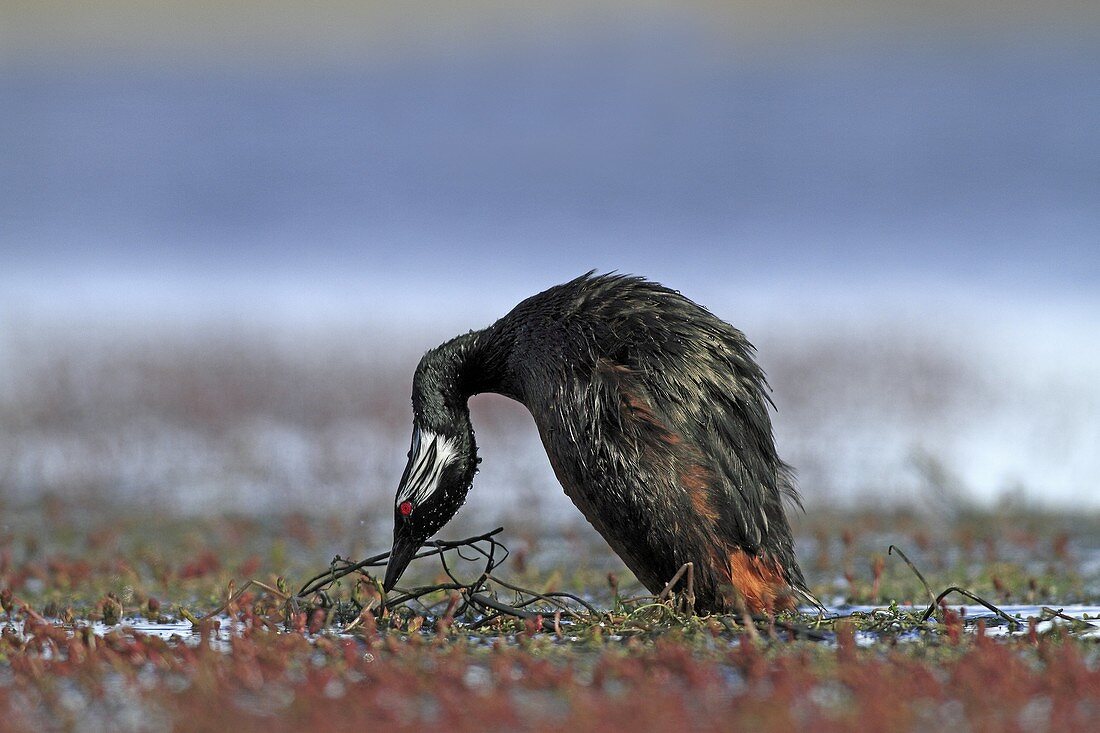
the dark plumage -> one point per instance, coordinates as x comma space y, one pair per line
656, 421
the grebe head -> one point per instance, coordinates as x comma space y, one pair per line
442, 457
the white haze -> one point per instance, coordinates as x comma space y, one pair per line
299, 394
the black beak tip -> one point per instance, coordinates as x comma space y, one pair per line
400, 557
392, 576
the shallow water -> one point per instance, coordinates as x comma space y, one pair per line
220, 638
995, 625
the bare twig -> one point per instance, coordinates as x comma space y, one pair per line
1076, 623
550, 597
687, 569
972, 596
472, 594
894, 548
347, 567
416, 593
482, 600
362, 615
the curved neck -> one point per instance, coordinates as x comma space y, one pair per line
449, 374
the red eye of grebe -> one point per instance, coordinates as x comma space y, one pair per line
406, 508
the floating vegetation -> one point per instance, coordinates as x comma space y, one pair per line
111, 621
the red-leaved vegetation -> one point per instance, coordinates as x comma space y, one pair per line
59, 678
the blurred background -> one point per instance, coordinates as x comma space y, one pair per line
228, 230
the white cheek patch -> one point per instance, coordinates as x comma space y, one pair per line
430, 454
